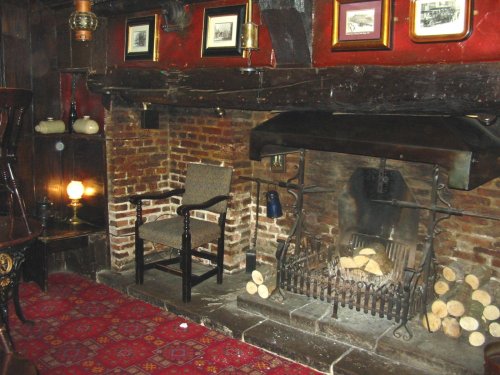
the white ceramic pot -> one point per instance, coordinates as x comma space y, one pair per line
50, 126
86, 125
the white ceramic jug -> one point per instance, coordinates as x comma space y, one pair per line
85, 125
50, 126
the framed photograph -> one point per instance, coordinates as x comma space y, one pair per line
142, 38
361, 24
440, 21
222, 31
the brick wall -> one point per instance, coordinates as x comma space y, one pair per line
139, 160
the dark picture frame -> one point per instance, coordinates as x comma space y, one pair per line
222, 31
141, 38
432, 21
361, 24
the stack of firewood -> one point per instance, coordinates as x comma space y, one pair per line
262, 285
466, 304
372, 260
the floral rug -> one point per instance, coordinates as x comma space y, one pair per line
81, 327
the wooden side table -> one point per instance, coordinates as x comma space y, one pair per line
57, 237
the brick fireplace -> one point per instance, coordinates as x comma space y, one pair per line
139, 160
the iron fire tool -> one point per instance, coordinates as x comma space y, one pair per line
251, 255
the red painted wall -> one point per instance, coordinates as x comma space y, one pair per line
483, 43
182, 50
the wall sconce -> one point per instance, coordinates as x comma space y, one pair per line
75, 191
82, 21
249, 39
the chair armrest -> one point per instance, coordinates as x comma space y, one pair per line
136, 198
185, 208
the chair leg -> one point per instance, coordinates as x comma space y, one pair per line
220, 259
186, 267
139, 260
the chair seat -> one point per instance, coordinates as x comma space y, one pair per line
167, 232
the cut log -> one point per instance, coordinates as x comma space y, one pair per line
494, 329
454, 272
451, 327
487, 293
478, 276
457, 299
441, 287
472, 318
257, 277
491, 312
477, 338
360, 260
438, 307
347, 263
431, 322
251, 287
367, 251
481, 296
377, 247
379, 264
265, 290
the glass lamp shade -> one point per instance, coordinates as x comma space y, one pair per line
82, 21
75, 190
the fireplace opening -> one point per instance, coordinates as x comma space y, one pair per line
371, 267
376, 264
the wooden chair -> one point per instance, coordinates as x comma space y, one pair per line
206, 188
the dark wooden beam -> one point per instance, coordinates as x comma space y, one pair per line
455, 89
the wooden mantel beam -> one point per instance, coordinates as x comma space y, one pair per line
454, 89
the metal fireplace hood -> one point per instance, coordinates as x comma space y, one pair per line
467, 149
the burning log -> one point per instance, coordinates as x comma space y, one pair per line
451, 327
454, 272
457, 299
471, 320
478, 276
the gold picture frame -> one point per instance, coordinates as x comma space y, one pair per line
444, 21
222, 31
141, 38
361, 24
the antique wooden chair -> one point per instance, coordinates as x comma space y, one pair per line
206, 188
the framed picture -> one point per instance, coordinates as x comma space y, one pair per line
142, 38
361, 24
222, 31
440, 21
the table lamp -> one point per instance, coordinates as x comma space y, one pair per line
75, 191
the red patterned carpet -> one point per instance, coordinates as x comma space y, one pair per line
86, 328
